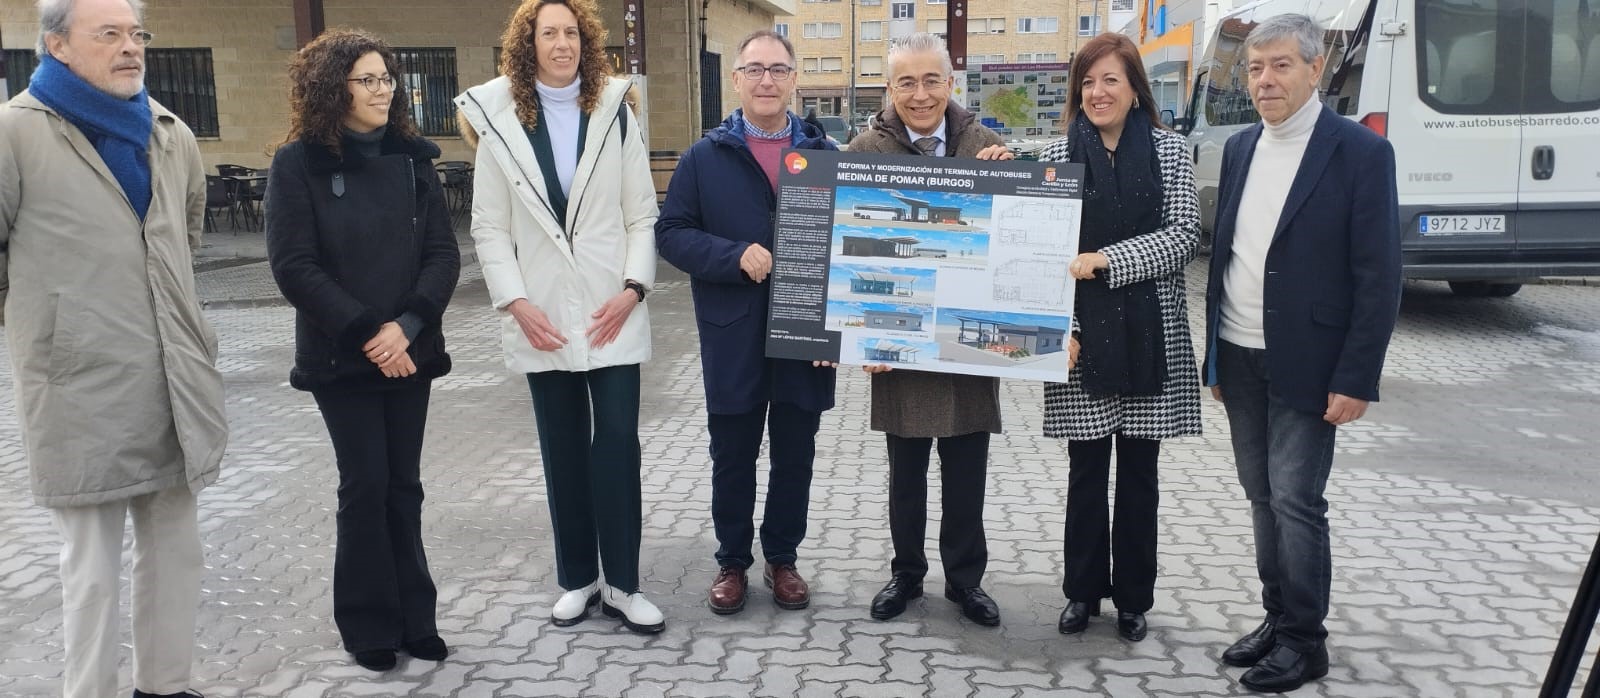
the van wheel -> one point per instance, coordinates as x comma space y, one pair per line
1483, 289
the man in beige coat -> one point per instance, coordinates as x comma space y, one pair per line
914, 408
102, 196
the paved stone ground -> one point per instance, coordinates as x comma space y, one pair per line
1463, 515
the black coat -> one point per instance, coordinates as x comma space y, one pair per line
354, 243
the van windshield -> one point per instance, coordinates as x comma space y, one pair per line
1347, 24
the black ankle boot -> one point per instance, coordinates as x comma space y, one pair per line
1075, 617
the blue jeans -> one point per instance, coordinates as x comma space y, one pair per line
1283, 456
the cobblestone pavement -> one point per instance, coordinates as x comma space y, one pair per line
1462, 512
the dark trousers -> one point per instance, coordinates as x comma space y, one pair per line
963, 465
735, 443
382, 592
1283, 456
1093, 538
591, 471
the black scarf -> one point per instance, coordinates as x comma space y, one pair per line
1122, 345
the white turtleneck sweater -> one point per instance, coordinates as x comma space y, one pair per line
559, 116
1266, 189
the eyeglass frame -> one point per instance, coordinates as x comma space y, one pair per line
140, 37
766, 69
371, 82
930, 84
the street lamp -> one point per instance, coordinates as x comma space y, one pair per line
849, 112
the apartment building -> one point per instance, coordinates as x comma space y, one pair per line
841, 42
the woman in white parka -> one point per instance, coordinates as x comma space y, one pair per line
563, 218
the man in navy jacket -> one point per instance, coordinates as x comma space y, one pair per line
1302, 299
717, 225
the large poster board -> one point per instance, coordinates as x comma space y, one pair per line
931, 264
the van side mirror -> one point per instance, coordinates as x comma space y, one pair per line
1169, 117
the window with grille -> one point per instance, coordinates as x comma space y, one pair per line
938, 26
871, 31
1088, 26
833, 65
903, 10
710, 90
781, 29
429, 75
872, 65
20, 63
181, 79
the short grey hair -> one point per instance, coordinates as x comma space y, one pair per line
55, 17
918, 43
1302, 29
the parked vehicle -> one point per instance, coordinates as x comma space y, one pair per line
837, 129
1493, 109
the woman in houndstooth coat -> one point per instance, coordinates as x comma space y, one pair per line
1135, 381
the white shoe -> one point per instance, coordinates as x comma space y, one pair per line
574, 605
634, 609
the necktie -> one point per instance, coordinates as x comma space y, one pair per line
928, 146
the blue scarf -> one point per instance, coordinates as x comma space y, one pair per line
118, 128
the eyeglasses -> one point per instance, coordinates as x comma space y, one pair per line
115, 37
373, 83
931, 85
754, 71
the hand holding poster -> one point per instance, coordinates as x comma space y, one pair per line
930, 264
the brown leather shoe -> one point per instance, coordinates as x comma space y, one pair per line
789, 590
727, 591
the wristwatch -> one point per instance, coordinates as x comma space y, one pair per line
636, 287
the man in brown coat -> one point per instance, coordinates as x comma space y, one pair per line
913, 408
101, 197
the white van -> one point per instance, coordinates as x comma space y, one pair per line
1493, 107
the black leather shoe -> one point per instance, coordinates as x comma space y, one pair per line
891, 601
1251, 648
1131, 626
430, 648
1075, 617
375, 660
975, 605
1284, 669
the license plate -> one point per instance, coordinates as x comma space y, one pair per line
1461, 225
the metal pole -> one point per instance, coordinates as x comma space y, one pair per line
1574, 637
849, 111
5, 90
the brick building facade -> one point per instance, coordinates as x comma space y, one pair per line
226, 60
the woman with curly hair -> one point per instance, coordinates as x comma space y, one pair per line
563, 216
360, 244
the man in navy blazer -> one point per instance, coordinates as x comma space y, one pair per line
1301, 302
717, 225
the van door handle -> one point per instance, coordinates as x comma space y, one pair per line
1544, 162
1196, 155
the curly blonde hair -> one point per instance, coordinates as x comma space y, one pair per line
519, 56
